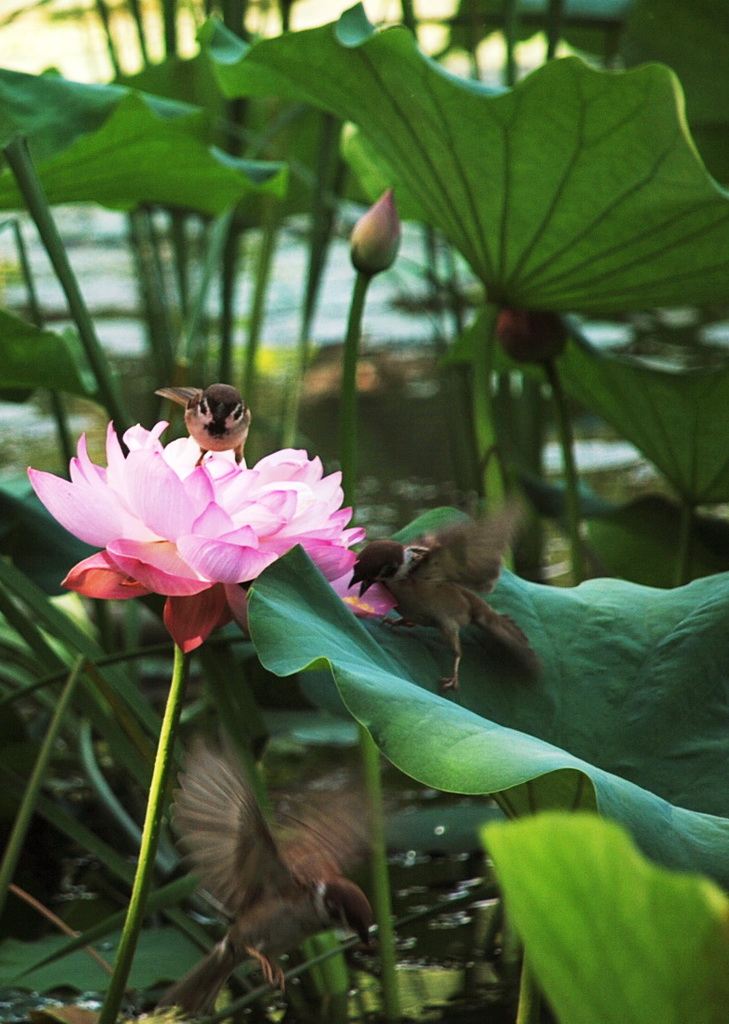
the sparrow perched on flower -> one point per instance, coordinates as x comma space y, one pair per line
217, 418
434, 578
279, 883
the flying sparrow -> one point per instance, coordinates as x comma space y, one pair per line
279, 884
217, 418
433, 581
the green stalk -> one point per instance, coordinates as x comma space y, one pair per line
215, 245
328, 187
17, 153
528, 1011
150, 839
135, 9
456, 380
683, 554
57, 407
566, 440
169, 19
166, 858
492, 482
103, 12
15, 842
382, 905
258, 305
178, 221
381, 901
348, 406
555, 24
510, 30
228, 277
145, 249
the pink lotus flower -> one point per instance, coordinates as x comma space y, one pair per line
195, 533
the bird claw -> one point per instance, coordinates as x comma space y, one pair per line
399, 622
272, 972
449, 683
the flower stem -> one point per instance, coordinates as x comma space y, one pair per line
382, 904
566, 440
348, 407
150, 838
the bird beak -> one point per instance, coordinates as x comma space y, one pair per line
353, 906
364, 585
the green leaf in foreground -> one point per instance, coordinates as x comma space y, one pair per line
611, 938
578, 189
630, 715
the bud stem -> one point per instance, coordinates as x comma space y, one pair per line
348, 416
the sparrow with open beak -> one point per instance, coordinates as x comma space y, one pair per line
217, 418
433, 581
280, 884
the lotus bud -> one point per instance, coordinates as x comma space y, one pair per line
375, 237
531, 335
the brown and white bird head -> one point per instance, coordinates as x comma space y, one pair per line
438, 581
381, 561
217, 418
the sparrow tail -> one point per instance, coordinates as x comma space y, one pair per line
197, 993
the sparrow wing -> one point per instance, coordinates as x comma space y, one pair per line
183, 396
323, 829
470, 552
224, 832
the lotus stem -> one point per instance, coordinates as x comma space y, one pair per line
150, 840
572, 492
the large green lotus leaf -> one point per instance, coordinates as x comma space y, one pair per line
631, 712
117, 147
611, 938
578, 189
679, 420
35, 358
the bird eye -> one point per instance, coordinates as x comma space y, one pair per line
238, 411
203, 407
